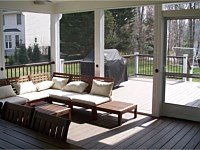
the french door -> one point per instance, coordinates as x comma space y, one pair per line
182, 68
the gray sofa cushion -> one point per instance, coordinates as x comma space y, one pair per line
14, 99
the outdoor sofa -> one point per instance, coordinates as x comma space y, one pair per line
72, 90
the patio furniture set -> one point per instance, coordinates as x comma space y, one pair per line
67, 89
30, 120
13, 136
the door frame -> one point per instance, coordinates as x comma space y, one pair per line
173, 110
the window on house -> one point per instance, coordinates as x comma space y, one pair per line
19, 21
3, 20
17, 41
8, 41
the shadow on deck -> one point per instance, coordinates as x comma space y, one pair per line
144, 132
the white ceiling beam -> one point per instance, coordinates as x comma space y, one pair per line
82, 5
68, 6
27, 6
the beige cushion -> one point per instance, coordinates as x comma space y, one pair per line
59, 83
101, 88
44, 85
6, 91
58, 94
25, 87
75, 86
35, 95
89, 99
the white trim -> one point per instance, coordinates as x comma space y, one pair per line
183, 112
2, 53
85, 5
65, 6
55, 41
158, 90
181, 14
26, 5
173, 110
99, 43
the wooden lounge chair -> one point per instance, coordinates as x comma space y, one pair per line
50, 125
18, 114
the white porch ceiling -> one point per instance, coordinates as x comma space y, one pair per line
68, 6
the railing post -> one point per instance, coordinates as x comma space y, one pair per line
136, 54
190, 72
185, 59
62, 65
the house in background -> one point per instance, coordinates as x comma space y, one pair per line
37, 30
14, 31
27, 28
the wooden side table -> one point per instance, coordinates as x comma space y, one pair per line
54, 109
119, 108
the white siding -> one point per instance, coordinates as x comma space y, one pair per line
10, 19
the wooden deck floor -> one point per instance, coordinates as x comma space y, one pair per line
139, 91
183, 93
144, 132
136, 90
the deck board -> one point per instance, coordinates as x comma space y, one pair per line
139, 91
143, 132
194, 142
142, 140
183, 142
180, 132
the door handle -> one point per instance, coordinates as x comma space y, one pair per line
156, 70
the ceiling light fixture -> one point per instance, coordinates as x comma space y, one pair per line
41, 2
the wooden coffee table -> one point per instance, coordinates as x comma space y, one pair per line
119, 108
54, 109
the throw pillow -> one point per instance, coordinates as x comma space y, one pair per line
6, 91
25, 87
101, 88
44, 85
76, 86
59, 83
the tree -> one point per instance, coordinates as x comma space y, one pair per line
110, 35
191, 27
182, 32
22, 54
77, 34
30, 53
125, 19
36, 53
16, 55
148, 30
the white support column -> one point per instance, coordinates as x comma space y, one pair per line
2, 53
136, 62
99, 43
62, 61
55, 41
185, 59
158, 77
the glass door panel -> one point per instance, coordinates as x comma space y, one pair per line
182, 75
